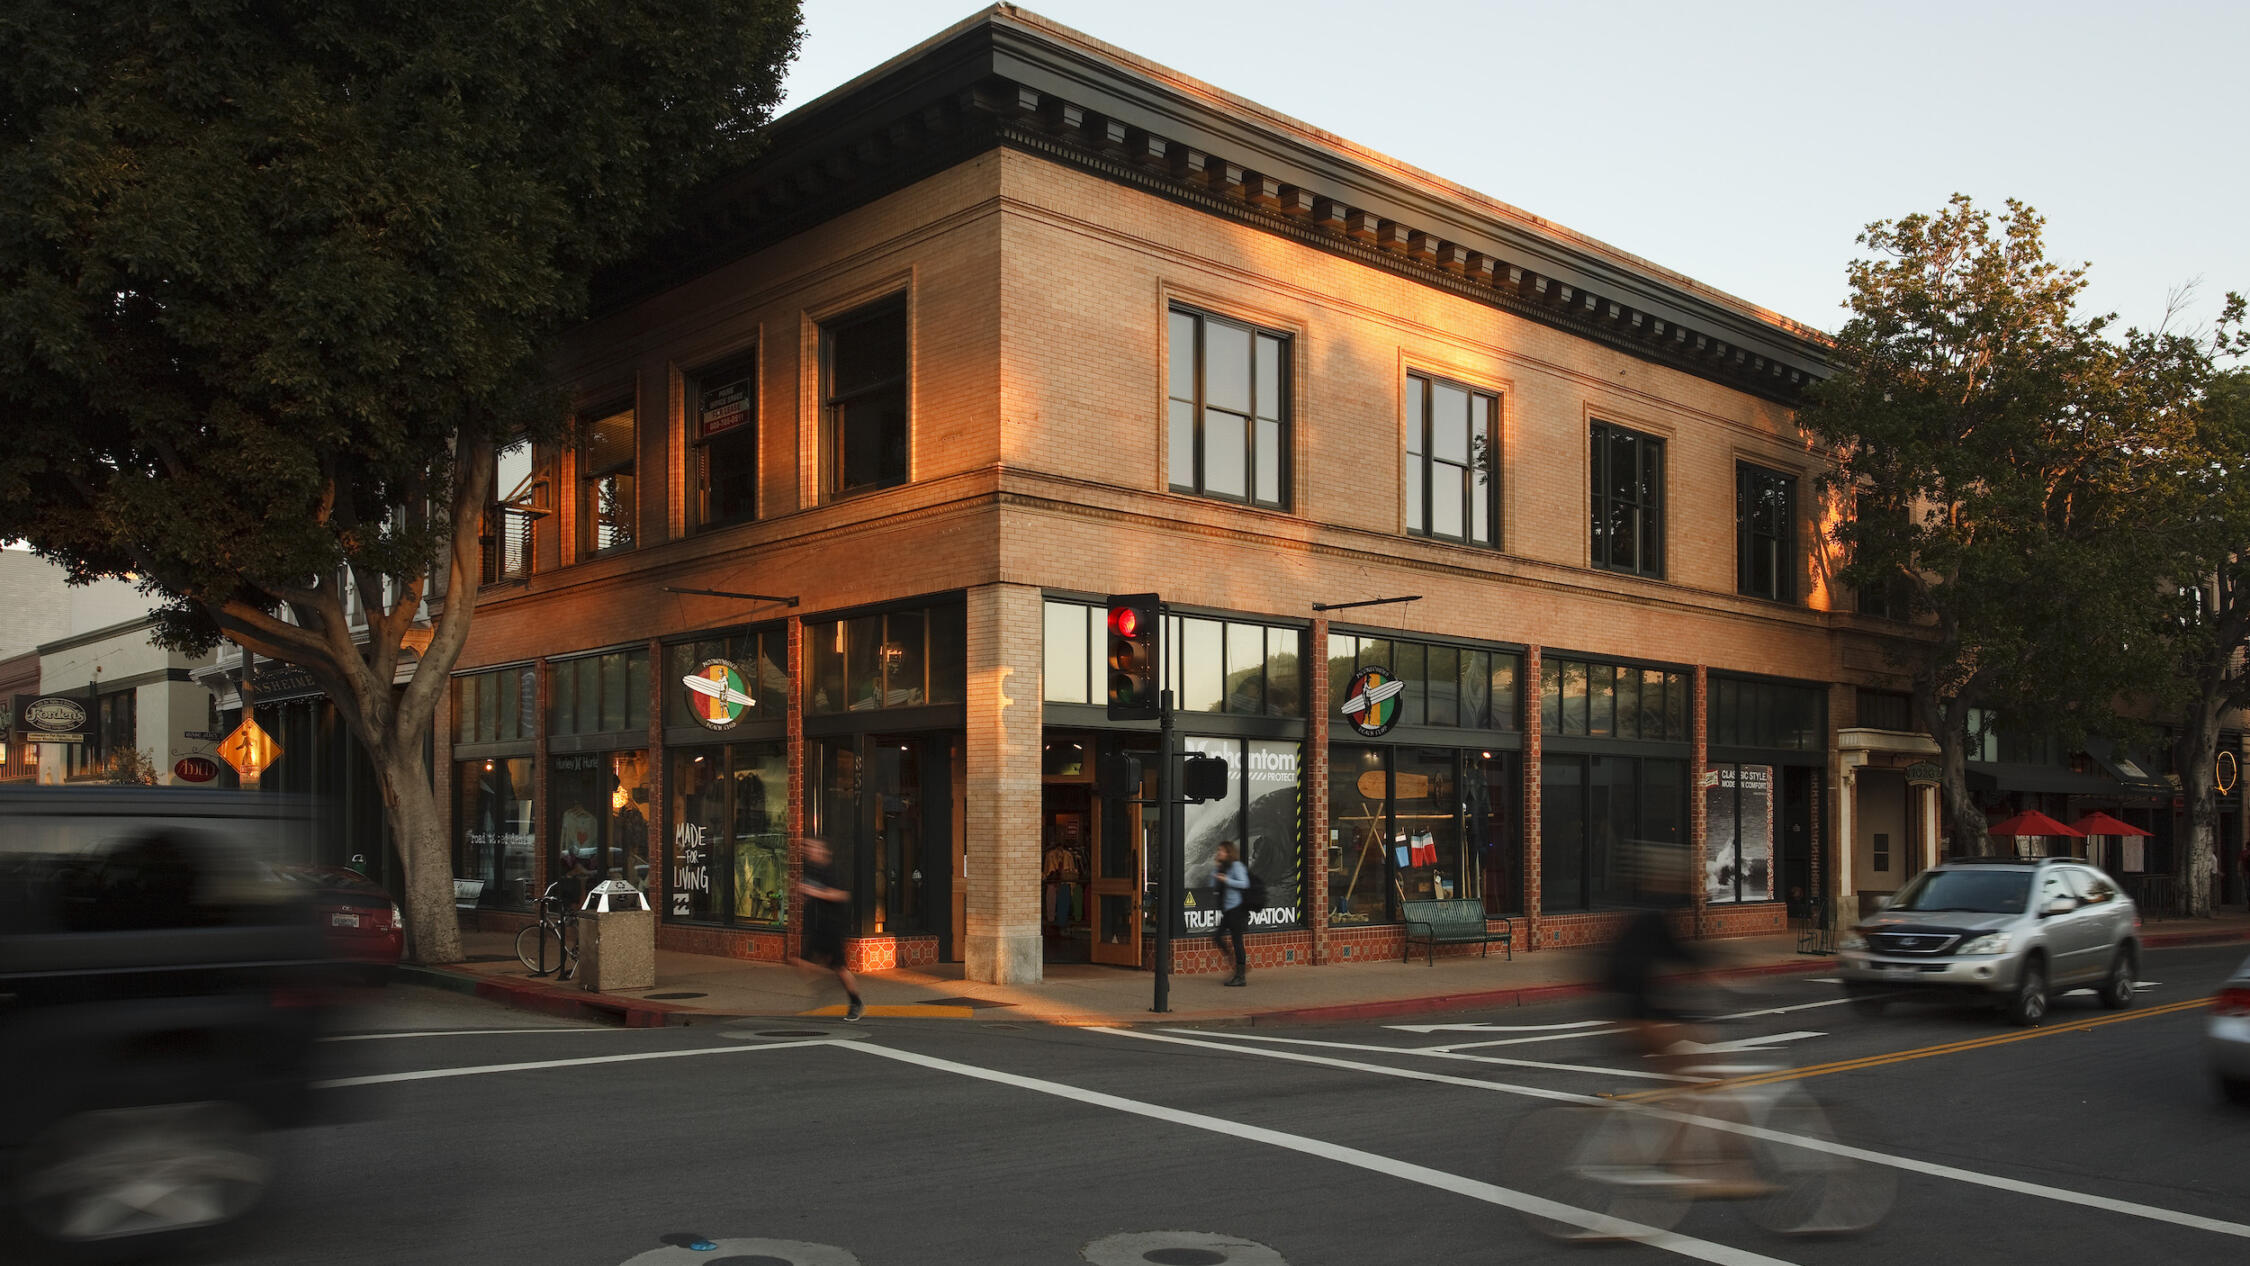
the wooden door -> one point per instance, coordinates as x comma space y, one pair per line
1114, 894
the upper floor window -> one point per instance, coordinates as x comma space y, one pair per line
1746, 712
1884, 709
1452, 452
509, 516
863, 398
1765, 517
1228, 418
608, 496
1628, 500
723, 430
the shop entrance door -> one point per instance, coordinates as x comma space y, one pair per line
1116, 888
908, 820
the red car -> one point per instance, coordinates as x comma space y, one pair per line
362, 923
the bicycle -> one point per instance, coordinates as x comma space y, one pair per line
1740, 1136
554, 936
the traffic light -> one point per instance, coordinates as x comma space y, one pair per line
1134, 622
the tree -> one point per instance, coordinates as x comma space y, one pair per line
2207, 525
277, 276
1994, 448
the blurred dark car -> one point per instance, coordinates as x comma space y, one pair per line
357, 915
2226, 1036
162, 992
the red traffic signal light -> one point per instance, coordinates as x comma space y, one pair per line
1133, 657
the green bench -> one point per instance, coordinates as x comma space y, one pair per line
1436, 923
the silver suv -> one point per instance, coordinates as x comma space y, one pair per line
2016, 931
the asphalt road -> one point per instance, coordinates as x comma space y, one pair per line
492, 1137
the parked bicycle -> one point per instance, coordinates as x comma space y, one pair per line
1744, 1135
552, 940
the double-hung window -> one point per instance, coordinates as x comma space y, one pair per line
1627, 500
1765, 516
1228, 415
1452, 453
863, 398
607, 491
723, 427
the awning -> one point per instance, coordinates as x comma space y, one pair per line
2129, 772
1994, 776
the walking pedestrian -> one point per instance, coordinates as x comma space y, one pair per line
825, 907
1233, 879
2242, 873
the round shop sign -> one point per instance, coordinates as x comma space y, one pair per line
1371, 703
55, 715
195, 769
717, 694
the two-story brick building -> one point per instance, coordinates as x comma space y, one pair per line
1017, 320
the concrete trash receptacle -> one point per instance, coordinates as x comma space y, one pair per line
616, 939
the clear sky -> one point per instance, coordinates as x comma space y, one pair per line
1740, 142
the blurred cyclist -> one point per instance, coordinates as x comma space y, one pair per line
1641, 953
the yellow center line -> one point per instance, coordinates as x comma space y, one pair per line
1926, 1052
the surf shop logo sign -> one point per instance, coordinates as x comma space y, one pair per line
1371, 703
718, 695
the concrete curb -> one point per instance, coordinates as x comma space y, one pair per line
2175, 940
1528, 995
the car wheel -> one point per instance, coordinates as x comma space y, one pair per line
136, 1178
2029, 1004
2236, 1089
2117, 990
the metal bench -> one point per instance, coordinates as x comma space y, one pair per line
1458, 922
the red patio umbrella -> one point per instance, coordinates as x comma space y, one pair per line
2032, 822
2099, 823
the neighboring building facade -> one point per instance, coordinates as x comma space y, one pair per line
1019, 320
140, 699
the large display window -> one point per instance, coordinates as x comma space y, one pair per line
729, 860
599, 804
1610, 828
495, 845
1260, 812
1422, 824
1738, 815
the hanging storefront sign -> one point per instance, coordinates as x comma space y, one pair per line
1922, 773
717, 694
1371, 702
2226, 772
195, 769
50, 719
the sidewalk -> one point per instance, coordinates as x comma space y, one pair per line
700, 989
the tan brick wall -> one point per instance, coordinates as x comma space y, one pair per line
1003, 786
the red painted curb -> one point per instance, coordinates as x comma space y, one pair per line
2172, 940
629, 1013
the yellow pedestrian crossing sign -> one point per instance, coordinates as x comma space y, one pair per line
249, 749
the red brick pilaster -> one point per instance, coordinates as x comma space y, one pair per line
1699, 711
794, 934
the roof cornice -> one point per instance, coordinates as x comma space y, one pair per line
1008, 78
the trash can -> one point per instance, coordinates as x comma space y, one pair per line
616, 939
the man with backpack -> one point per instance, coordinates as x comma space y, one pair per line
1235, 887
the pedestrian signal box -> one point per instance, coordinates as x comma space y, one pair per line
1203, 778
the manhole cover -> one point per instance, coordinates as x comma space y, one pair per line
1180, 1248
671, 997
1184, 1257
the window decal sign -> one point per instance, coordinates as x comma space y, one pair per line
1371, 702
717, 694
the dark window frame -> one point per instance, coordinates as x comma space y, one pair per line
1777, 547
703, 449
1645, 508
590, 523
1483, 460
835, 404
1254, 460
510, 512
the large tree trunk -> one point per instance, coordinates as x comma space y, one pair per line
2197, 861
1943, 721
433, 927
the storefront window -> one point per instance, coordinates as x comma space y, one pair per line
600, 694
730, 851
1588, 698
1260, 814
761, 660
1359, 825
1456, 687
900, 659
600, 804
495, 844
1770, 714
1738, 831
1237, 667
1610, 831
1423, 824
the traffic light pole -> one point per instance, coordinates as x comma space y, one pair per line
1167, 887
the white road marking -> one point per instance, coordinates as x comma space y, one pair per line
1493, 1028
1559, 1037
1387, 1166
1439, 1052
382, 1037
477, 1070
1822, 980
1740, 1044
1801, 1006
2063, 1195
2146, 984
